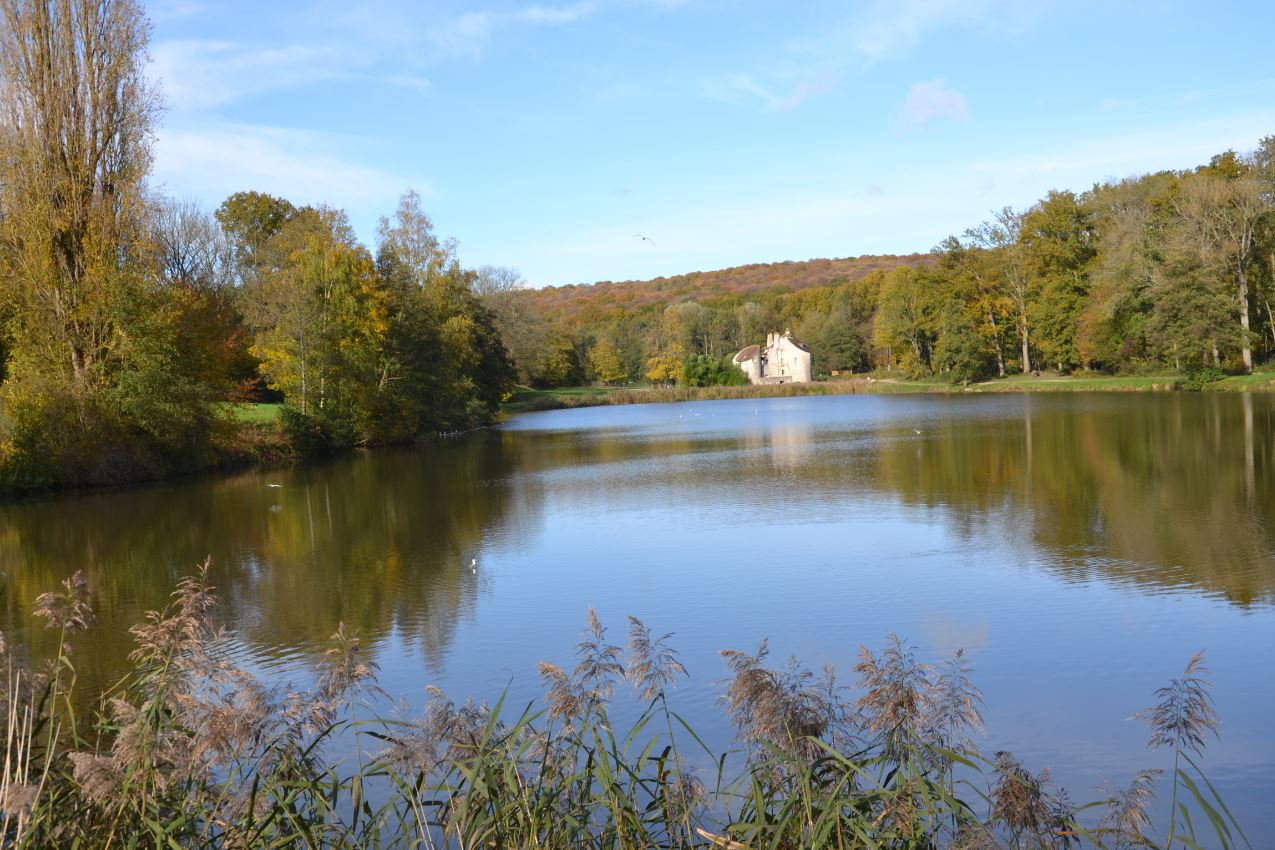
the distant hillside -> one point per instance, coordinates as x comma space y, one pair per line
572, 300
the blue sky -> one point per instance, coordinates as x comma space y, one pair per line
544, 135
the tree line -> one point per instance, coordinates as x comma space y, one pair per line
1171, 271
129, 318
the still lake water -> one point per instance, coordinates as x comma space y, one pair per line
1079, 547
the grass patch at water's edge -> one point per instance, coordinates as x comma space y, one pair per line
251, 412
526, 399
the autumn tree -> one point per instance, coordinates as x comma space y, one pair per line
102, 383
76, 133
251, 220
459, 344
908, 317
1220, 211
1002, 237
195, 262
1059, 244
523, 327
606, 363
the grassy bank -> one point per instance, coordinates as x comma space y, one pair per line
526, 399
254, 413
191, 751
568, 397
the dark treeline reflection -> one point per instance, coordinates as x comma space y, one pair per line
377, 541
1162, 490
1165, 490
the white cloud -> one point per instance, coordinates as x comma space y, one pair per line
1111, 104
198, 74
406, 81
933, 99
556, 14
214, 161
173, 10
470, 34
784, 95
887, 27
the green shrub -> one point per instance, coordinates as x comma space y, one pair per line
1199, 378
702, 370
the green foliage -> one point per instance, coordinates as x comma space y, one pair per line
962, 355
701, 370
1200, 377
607, 365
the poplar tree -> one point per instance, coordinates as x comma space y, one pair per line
76, 121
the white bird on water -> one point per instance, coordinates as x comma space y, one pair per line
274, 485
915, 431
473, 565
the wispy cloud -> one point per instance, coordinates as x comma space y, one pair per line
931, 100
199, 74
1084, 161
1110, 104
879, 30
888, 27
214, 161
470, 34
173, 10
744, 89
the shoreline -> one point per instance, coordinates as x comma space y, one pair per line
260, 445
527, 400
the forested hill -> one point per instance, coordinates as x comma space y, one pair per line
570, 301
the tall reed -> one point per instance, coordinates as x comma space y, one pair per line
191, 751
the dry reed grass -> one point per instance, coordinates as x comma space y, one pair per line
191, 751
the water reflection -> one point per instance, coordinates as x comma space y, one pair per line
1167, 491
1080, 547
379, 542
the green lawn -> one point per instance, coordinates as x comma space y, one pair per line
1077, 382
1255, 381
526, 398
257, 413
528, 392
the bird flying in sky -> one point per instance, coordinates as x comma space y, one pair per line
644, 238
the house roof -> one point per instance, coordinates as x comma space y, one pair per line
749, 353
797, 342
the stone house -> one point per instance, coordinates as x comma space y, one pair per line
784, 360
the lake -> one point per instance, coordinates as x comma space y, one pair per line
1079, 547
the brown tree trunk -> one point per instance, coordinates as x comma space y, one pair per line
1027, 358
1000, 354
1246, 352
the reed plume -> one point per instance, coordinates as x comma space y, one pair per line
1126, 819
69, 610
192, 751
1027, 805
653, 662
1184, 711
789, 708
897, 695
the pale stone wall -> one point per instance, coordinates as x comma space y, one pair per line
783, 361
749, 360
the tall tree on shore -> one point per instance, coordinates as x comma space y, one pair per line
1058, 242
1003, 236
76, 122
522, 326
1216, 215
250, 220
433, 292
